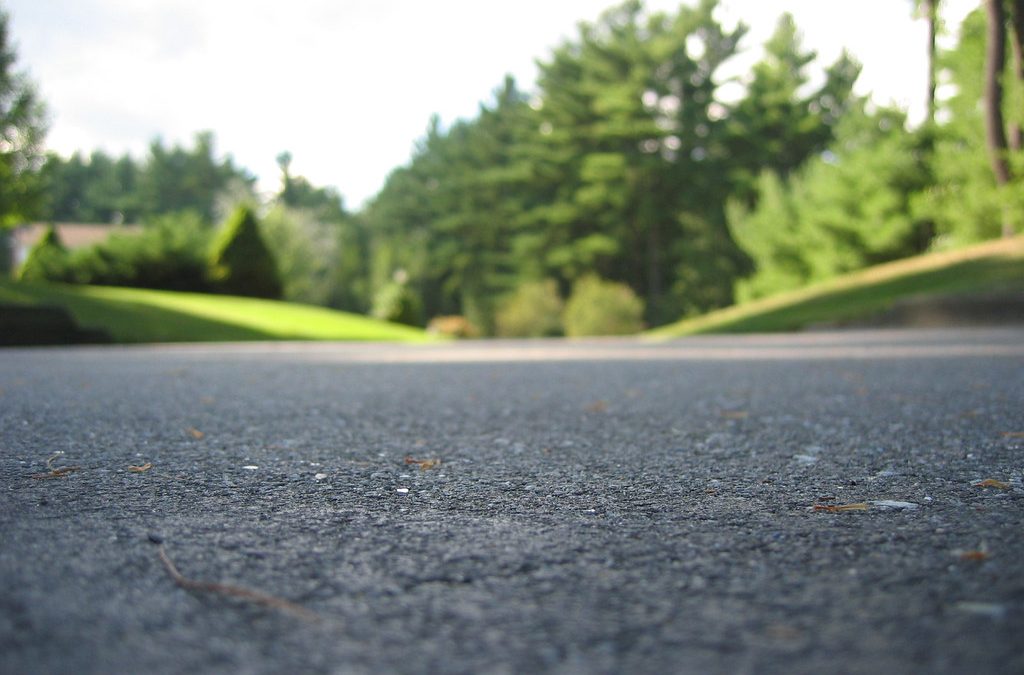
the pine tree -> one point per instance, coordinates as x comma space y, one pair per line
22, 129
778, 127
240, 262
630, 149
46, 259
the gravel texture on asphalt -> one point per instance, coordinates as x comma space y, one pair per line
595, 507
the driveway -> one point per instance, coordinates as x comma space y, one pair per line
824, 502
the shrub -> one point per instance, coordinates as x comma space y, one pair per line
599, 307
533, 310
396, 302
307, 253
169, 254
47, 260
240, 262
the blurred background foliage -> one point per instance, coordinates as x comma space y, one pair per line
626, 190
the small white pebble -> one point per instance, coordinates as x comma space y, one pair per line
403, 491
891, 504
320, 476
989, 610
250, 467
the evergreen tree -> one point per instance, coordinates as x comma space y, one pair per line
65, 181
22, 130
350, 286
620, 166
447, 221
771, 235
630, 147
102, 189
97, 189
842, 211
181, 179
320, 248
400, 220
775, 125
46, 259
240, 262
298, 193
482, 199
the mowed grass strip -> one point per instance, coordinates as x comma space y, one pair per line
996, 266
141, 315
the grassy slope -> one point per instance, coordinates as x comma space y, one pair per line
993, 266
137, 315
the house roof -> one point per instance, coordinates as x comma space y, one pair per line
72, 235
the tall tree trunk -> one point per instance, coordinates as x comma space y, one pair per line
995, 135
648, 217
931, 16
1016, 35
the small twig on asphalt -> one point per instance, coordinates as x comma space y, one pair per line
993, 483
52, 472
840, 508
424, 464
246, 594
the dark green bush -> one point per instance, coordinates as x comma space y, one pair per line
240, 262
169, 254
533, 310
47, 260
599, 307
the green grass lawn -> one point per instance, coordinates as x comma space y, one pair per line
139, 315
996, 266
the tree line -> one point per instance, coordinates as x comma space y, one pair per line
627, 166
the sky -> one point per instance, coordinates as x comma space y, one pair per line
349, 86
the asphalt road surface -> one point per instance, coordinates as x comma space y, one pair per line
832, 502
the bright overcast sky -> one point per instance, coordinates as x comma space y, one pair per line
348, 86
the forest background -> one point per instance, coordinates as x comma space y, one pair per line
624, 184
